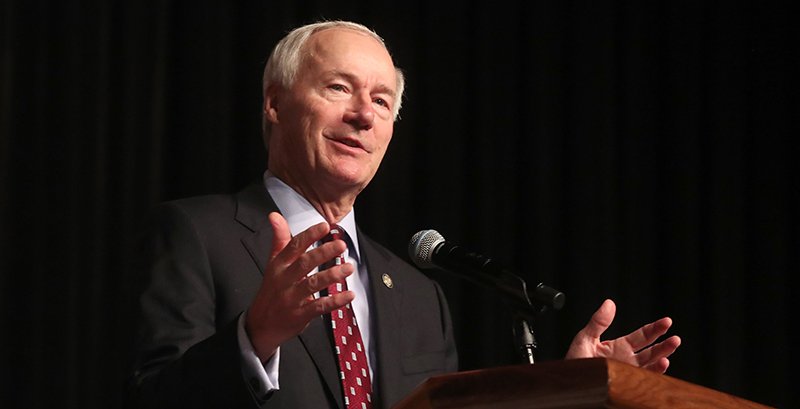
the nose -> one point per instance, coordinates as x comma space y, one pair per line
360, 114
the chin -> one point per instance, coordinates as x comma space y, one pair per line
350, 172
351, 179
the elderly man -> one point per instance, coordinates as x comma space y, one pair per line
273, 297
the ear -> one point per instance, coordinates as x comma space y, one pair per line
271, 105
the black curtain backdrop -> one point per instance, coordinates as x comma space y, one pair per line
643, 151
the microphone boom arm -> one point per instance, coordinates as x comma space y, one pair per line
485, 272
429, 249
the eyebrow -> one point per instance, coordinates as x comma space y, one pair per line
381, 87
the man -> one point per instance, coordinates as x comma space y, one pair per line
240, 311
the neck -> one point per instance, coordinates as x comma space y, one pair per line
332, 203
333, 210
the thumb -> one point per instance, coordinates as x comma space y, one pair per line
280, 233
601, 319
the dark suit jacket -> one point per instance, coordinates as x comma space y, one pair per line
204, 259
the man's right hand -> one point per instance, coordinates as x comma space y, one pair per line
285, 303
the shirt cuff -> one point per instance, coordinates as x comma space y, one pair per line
261, 378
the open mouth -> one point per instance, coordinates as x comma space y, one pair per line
351, 142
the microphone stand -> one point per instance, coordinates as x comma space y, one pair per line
527, 304
524, 338
545, 298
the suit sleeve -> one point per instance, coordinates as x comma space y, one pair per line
185, 358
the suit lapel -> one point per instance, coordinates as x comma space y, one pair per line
319, 344
386, 304
253, 206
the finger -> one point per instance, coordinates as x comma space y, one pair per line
280, 233
659, 366
320, 255
658, 351
600, 320
647, 334
298, 244
325, 305
316, 282
297, 273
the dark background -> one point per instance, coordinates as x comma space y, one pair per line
643, 151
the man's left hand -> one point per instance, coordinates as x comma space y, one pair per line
636, 348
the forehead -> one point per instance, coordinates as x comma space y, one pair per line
349, 50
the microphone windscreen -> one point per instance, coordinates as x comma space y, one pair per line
421, 247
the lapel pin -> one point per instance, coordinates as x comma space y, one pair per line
387, 281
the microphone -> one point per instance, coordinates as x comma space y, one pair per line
429, 249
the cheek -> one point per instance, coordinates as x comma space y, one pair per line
384, 137
310, 111
308, 129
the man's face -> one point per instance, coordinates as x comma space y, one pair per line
331, 129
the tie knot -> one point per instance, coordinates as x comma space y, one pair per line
337, 233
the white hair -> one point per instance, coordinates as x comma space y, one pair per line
286, 57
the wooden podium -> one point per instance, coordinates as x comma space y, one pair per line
580, 383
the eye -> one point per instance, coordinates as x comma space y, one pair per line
382, 102
338, 87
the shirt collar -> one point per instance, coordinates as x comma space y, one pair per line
300, 214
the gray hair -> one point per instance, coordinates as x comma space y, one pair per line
286, 57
